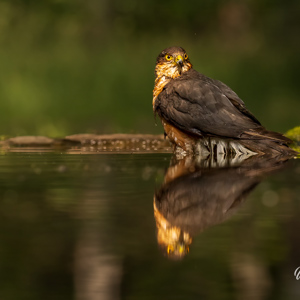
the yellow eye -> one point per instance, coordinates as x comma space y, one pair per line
168, 57
186, 56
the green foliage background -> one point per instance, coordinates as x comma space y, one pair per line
72, 66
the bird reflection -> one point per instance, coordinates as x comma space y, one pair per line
197, 194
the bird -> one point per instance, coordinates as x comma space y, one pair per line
193, 106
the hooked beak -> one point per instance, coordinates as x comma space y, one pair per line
179, 60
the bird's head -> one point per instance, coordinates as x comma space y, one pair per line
173, 241
172, 62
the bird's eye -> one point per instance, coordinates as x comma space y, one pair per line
168, 57
186, 56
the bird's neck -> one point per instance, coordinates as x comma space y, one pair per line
163, 74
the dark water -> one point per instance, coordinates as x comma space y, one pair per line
82, 226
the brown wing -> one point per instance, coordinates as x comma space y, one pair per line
234, 99
199, 105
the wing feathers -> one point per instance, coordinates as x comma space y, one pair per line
199, 105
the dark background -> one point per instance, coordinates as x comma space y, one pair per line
73, 66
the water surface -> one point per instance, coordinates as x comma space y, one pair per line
82, 226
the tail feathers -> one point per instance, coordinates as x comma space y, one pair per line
267, 142
263, 134
269, 147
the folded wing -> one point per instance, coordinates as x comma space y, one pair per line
197, 105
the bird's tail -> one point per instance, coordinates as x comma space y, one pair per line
268, 142
264, 134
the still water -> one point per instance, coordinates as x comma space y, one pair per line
145, 226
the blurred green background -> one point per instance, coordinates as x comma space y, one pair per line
76, 66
